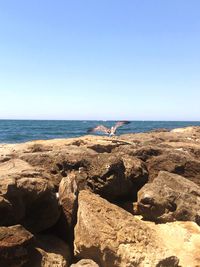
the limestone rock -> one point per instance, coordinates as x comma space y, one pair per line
113, 237
68, 192
58, 163
42, 210
85, 263
175, 162
12, 208
170, 197
49, 251
14, 244
28, 201
115, 176
183, 238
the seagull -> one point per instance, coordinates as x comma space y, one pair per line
110, 131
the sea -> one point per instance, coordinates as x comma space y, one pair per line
19, 131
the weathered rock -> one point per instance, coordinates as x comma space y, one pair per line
114, 167
183, 238
49, 251
176, 162
42, 210
136, 172
115, 176
14, 244
85, 263
113, 237
170, 197
141, 152
12, 208
68, 193
28, 201
59, 163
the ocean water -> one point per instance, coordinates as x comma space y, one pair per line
18, 131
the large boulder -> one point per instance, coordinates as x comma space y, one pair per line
178, 162
14, 245
28, 201
170, 197
41, 205
112, 237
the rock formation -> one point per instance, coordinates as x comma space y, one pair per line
113, 237
133, 200
170, 197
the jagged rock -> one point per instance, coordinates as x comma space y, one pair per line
18, 248
115, 168
110, 176
14, 244
143, 152
28, 201
49, 251
175, 162
170, 197
115, 176
114, 238
85, 263
68, 192
58, 163
136, 172
12, 208
41, 205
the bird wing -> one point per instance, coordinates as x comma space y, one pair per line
99, 128
120, 123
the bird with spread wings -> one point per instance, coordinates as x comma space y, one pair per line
110, 131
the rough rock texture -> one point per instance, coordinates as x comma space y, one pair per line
115, 177
18, 247
85, 263
176, 162
28, 201
113, 237
14, 244
68, 192
115, 168
183, 238
49, 251
170, 197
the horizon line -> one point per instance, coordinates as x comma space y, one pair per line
6, 119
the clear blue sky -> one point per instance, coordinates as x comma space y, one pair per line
100, 59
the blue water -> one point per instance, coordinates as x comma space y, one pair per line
17, 131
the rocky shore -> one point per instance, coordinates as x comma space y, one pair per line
130, 200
